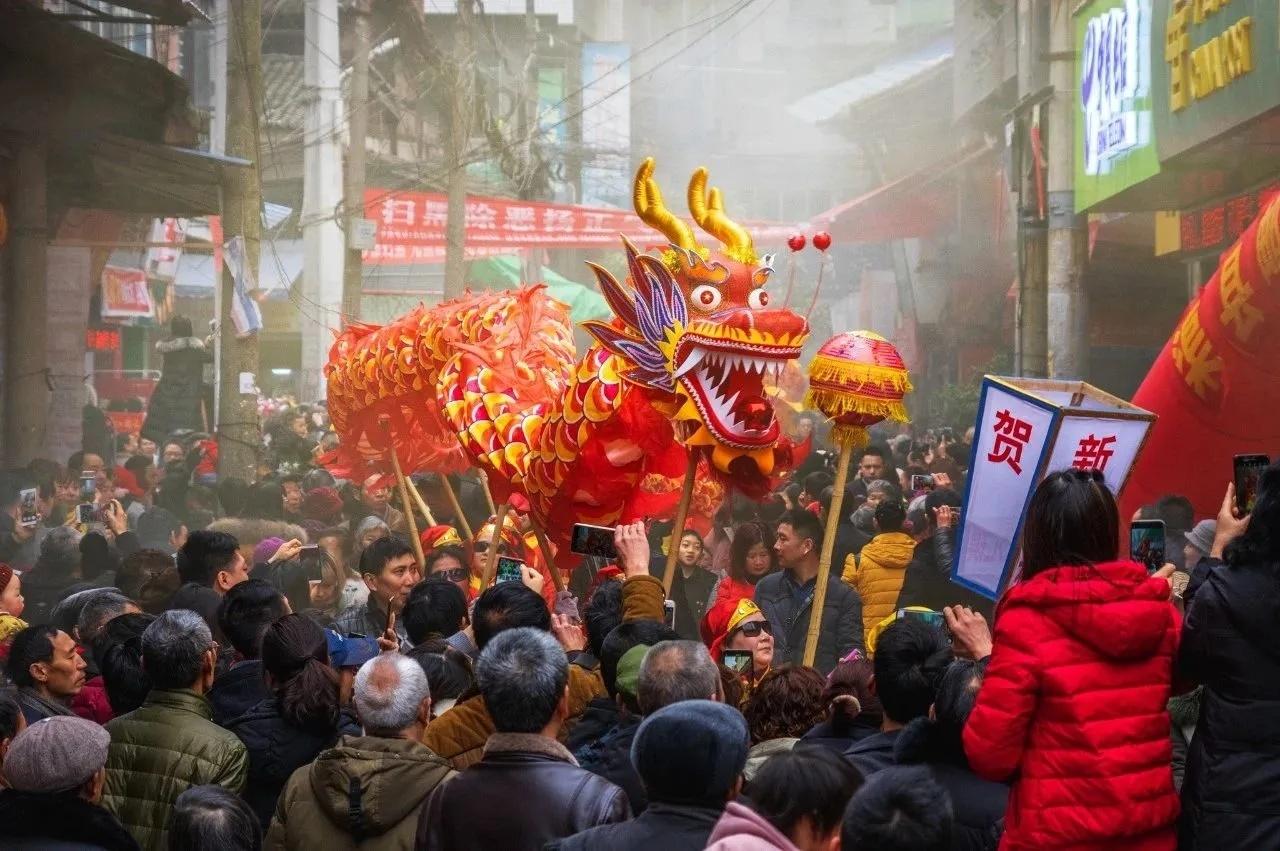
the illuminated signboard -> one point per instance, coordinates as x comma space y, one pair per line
1215, 226
1114, 141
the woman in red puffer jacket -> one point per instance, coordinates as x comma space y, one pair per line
1072, 710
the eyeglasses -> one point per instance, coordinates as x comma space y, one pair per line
751, 629
453, 574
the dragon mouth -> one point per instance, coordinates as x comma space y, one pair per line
725, 381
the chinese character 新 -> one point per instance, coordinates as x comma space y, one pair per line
1093, 453
1012, 435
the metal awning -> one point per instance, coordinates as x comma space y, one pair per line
175, 12
826, 104
917, 204
111, 172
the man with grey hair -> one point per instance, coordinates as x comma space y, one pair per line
170, 743
673, 671
523, 676
367, 788
99, 607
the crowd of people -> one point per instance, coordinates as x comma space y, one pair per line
201, 663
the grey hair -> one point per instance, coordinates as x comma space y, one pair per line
102, 606
60, 551
673, 671
173, 648
522, 673
389, 690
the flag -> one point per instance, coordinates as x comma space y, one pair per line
245, 315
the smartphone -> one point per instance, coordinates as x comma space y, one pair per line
590, 540
738, 661
509, 569
88, 485
27, 502
86, 513
931, 618
1146, 543
1247, 469
920, 484
309, 561
669, 613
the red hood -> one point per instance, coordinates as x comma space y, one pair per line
1115, 607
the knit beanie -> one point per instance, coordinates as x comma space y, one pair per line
691, 752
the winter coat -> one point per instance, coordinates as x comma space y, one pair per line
458, 736
237, 690
927, 581
839, 737
761, 752
743, 829
36, 707
1073, 708
873, 753
175, 403
670, 827
37, 821
92, 703
610, 757
160, 750
277, 749
1184, 714
366, 792
370, 620
977, 805
544, 796
1231, 789
690, 596
596, 720
876, 574
839, 632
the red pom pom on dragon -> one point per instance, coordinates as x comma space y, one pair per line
490, 379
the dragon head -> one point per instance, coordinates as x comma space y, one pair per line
696, 323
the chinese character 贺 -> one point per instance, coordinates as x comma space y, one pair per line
1012, 435
1093, 453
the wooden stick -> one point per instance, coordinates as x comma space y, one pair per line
677, 527
488, 494
545, 546
828, 545
463, 525
491, 563
408, 509
422, 503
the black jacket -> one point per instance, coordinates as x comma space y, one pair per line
175, 403
237, 690
1230, 645
873, 753
977, 805
596, 720
523, 793
689, 595
787, 609
610, 757
277, 749
670, 827
927, 581
31, 821
840, 738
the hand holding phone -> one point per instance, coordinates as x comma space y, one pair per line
591, 540
509, 569
1147, 543
27, 502
1246, 472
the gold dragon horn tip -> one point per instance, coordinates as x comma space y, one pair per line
649, 206
709, 213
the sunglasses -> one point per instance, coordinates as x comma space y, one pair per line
453, 574
754, 628
483, 547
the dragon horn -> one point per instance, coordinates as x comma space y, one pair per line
710, 216
653, 212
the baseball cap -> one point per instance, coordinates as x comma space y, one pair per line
56, 754
627, 681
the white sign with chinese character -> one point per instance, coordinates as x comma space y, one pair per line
1026, 429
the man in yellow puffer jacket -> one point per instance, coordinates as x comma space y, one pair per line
877, 573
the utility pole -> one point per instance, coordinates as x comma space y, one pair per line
239, 432
1066, 249
461, 116
357, 134
1033, 304
322, 240
27, 385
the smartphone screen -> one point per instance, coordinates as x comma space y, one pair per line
1146, 543
86, 513
669, 613
27, 501
930, 618
88, 485
309, 561
738, 661
593, 541
509, 569
920, 484
1247, 469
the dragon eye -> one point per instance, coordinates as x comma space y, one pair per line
706, 297
758, 299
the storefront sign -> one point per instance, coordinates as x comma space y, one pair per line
1026, 429
1218, 68
1215, 226
102, 339
1114, 145
125, 293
